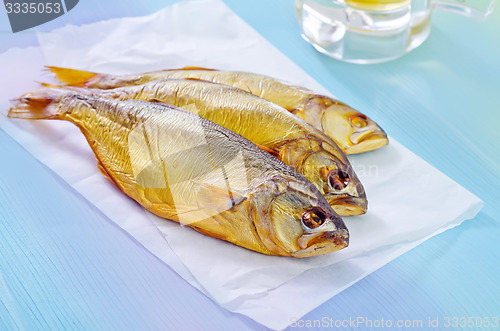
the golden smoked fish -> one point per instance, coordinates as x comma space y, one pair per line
190, 170
353, 131
264, 123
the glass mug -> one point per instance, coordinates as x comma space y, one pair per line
372, 31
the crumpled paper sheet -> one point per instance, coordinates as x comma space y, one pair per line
409, 200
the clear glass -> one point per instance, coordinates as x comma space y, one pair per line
371, 31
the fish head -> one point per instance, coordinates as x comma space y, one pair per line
353, 131
297, 221
330, 171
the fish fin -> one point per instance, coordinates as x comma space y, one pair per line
210, 203
72, 77
104, 172
212, 234
68, 89
201, 80
216, 196
273, 153
40, 104
48, 85
197, 79
193, 68
102, 169
156, 101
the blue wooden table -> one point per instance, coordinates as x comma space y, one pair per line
63, 265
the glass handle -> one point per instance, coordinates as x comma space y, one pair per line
477, 9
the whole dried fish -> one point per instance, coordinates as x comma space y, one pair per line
271, 127
187, 169
353, 131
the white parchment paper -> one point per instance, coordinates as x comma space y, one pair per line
409, 200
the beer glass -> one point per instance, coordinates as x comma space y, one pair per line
371, 31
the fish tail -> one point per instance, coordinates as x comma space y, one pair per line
72, 77
40, 104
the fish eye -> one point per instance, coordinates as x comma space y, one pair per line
313, 218
359, 121
338, 179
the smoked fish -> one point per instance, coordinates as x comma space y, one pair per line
298, 144
187, 169
353, 131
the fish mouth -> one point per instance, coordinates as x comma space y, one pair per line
367, 141
353, 131
348, 205
322, 243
